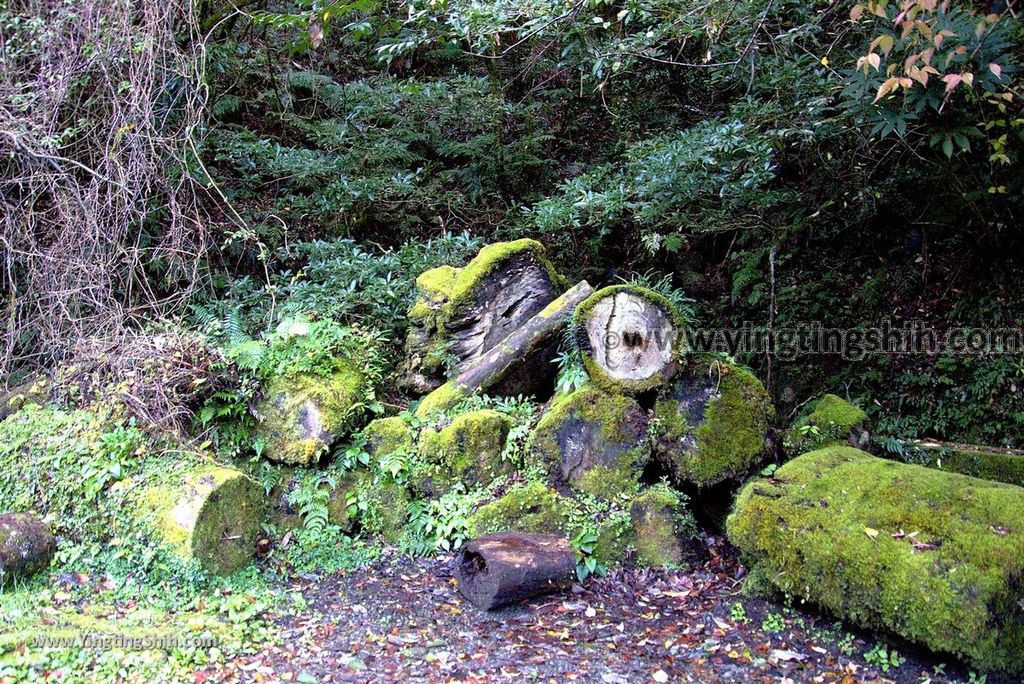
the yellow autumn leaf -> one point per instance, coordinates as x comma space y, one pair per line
871, 532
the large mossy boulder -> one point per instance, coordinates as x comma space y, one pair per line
210, 514
531, 508
936, 558
301, 416
460, 314
388, 436
466, 451
628, 338
26, 546
833, 421
594, 441
382, 503
713, 423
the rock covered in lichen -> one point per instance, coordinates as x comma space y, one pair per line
26, 546
388, 436
210, 514
936, 558
661, 523
713, 423
466, 451
302, 415
532, 508
833, 421
628, 338
460, 313
594, 441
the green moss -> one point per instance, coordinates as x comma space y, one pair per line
532, 508
594, 440
433, 288
487, 260
440, 400
303, 414
597, 374
212, 515
729, 440
660, 523
613, 541
937, 558
386, 505
833, 420
388, 435
468, 450
1000, 466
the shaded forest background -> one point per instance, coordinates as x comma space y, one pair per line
222, 166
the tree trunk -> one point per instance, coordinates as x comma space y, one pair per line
26, 546
211, 514
507, 356
628, 337
504, 568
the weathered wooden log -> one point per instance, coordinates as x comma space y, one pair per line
934, 557
504, 568
26, 546
211, 514
486, 372
628, 338
460, 314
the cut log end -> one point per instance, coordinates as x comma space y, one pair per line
500, 569
628, 338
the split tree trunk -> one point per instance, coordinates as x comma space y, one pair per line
504, 568
628, 338
511, 354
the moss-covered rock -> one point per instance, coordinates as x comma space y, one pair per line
388, 435
614, 540
661, 522
302, 415
833, 421
628, 338
468, 450
26, 546
987, 463
211, 514
937, 558
445, 397
713, 423
594, 441
383, 504
531, 508
461, 313
286, 517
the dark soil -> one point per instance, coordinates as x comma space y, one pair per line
402, 619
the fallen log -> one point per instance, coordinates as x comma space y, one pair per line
536, 334
504, 568
26, 546
936, 558
627, 336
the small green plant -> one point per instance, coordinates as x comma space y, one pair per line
883, 657
737, 613
583, 545
773, 622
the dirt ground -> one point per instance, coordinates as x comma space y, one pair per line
401, 619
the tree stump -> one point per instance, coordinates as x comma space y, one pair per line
628, 338
504, 568
26, 546
460, 314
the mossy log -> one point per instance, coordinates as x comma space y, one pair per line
460, 314
985, 462
594, 441
713, 422
628, 338
936, 558
530, 508
211, 514
488, 372
302, 415
501, 569
26, 546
